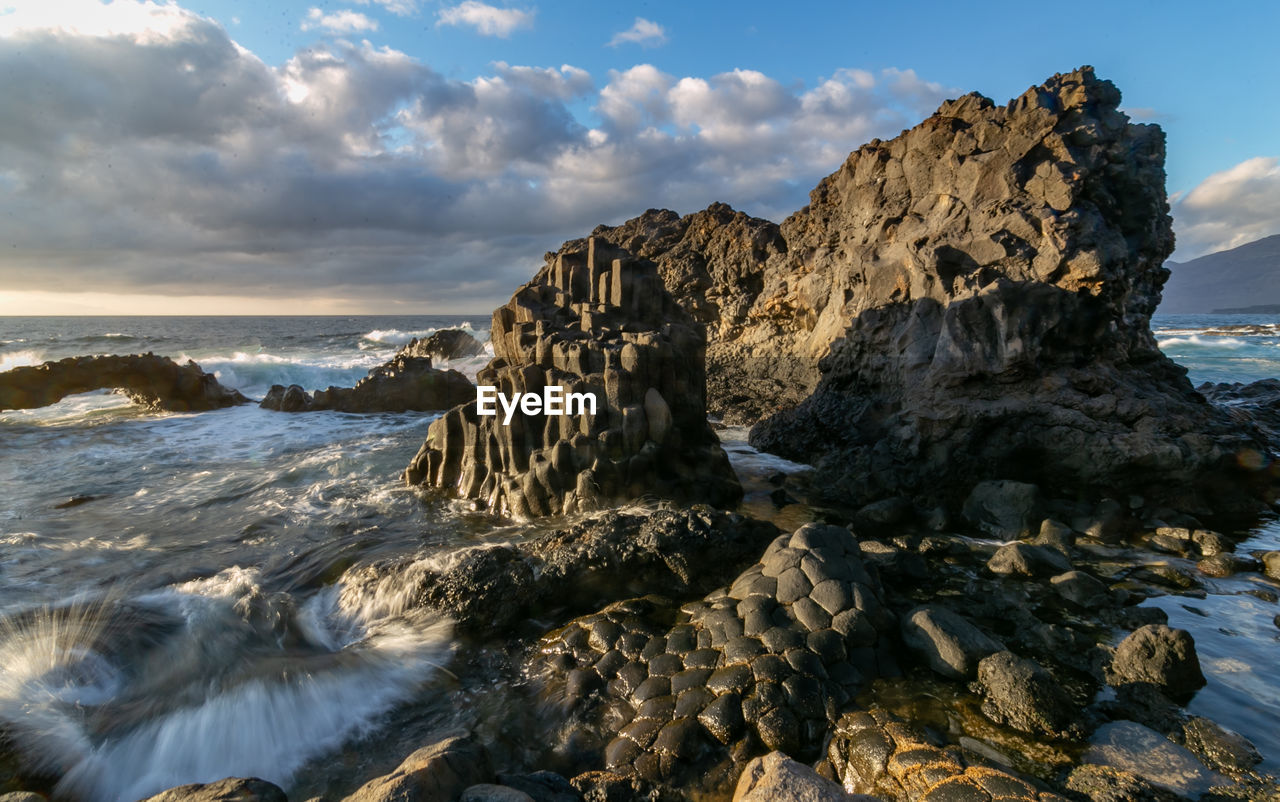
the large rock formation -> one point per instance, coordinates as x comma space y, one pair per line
153, 381
444, 344
405, 384
596, 322
968, 300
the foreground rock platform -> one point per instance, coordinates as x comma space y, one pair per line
595, 320
405, 384
155, 382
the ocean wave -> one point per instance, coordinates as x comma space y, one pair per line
19, 359
257, 372
397, 337
1201, 341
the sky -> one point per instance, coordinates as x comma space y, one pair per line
419, 156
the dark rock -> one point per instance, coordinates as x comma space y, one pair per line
543, 786
1160, 656
1223, 749
1140, 751
948, 643
228, 790
597, 323
1081, 589
1021, 559
1004, 509
444, 344
488, 792
1107, 784
1271, 564
405, 384
1226, 564
1020, 693
152, 381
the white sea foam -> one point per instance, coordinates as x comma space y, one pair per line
397, 337
1200, 341
18, 359
255, 373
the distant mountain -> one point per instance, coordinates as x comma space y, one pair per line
1244, 279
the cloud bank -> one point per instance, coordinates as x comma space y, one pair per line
1229, 208
146, 151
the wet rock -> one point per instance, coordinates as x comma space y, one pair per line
1021, 559
1225, 564
444, 344
228, 790
948, 643
1143, 752
440, 771
1020, 693
1211, 543
1160, 656
404, 384
543, 786
1221, 748
1080, 589
152, 381
596, 325
1055, 535
777, 778
1109, 784
1004, 509
1271, 564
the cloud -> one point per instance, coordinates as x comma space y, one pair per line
1229, 208
401, 8
643, 32
153, 154
344, 21
486, 19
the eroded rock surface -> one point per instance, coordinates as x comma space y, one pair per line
595, 320
405, 384
688, 696
444, 344
153, 381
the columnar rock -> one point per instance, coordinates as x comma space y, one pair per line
597, 326
406, 383
153, 381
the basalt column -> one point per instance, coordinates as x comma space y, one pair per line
594, 321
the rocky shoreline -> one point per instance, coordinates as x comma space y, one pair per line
955, 334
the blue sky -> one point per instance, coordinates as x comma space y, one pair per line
401, 155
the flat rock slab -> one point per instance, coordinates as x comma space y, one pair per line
1131, 747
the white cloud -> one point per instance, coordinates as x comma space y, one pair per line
486, 19
401, 8
154, 154
643, 32
344, 21
1229, 208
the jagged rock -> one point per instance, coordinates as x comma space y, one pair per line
1020, 693
949, 644
982, 286
152, 381
610, 556
439, 771
596, 321
228, 790
405, 384
1021, 559
1160, 656
872, 752
689, 696
1003, 509
444, 344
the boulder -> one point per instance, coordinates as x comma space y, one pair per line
1139, 751
1080, 589
405, 384
229, 790
1020, 693
1271, 564
1003, 509
441, 771
445, 344
488, 792
777, 778
595, 323
1022, 559
152, 381
950, 645
1160, 656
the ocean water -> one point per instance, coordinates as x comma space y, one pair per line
179, 599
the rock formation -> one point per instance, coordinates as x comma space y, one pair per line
406, 383
595, 321
444, 344
153, 381
970, 300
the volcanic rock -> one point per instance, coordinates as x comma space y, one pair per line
949, 644
405, 384
1160, 656
152, 381
229, 790
1020, 693
595, 321
444, 344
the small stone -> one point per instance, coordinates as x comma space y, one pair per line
702, 658
691, 702
652, 687
806, 662
689, 678
1081, 589
661, 708
1211, 542
735, 679
741, 650
679, 739
770, 668
621, 753
665, 665
1021, 559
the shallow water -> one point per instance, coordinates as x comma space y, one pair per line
180, 598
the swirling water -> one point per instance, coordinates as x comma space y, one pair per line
179, 599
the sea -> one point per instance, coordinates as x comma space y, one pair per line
181, 595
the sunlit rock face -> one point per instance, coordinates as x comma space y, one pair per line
595, 323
